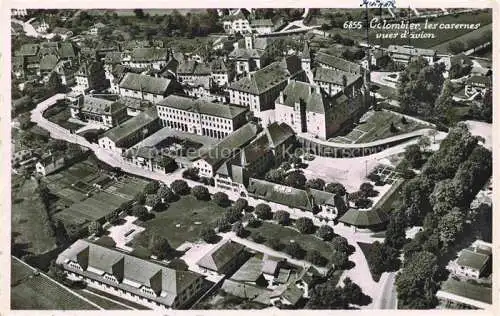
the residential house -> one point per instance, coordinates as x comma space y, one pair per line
365, 220
404, 54
94, 29
478, 85
52, 162
62, 32
123, 136
262, 26
251, 273
473, 262
105, 47
149, 88
307, 109
225, 149
259, 90
98, 111
200, 117
224, 259
236, 23
219, 73
146, 58
89, 77
145, 282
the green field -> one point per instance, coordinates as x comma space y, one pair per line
61, 119
28, 230
37, 292
365, 248
443, 47
286, 234
186, 212
104, 303
377, 127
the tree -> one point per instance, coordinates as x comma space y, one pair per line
152, 187
191, 173
336, 188
95, 228
317, 184
275, 175
208, 235
232, 215
392, 128
263, 211
275, 243
352, 292
241, 205
112, 217
139, 13
180, 187
238, 228
450, 226
325, 232
366, 189
168, 163
253, 222
316, 258
340, 243
223, 224
159, 246
296, 161
140, 212
456, 47
54, 85
376, 259
166, 194
304, 225
339, 259
327, 296
282, 217
395, 235
295, 250
153, 201
56, 271
200, 192
444, 102
424, 143
221, 199
413, 155
295, 179
285, 166
416, 283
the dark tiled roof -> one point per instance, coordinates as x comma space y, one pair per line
48, 62
269, 76
244, 53
334, 76
337, 62
66, 50
250, 271
145, 83
101, 106
322, 197
166, 282
219, 257
261, 23
410, 50
120, 132
203, 107
480, 80
194, 68
145, 54
468, 290
280, 194
364, 218
277, 134
293, 294
218, 65
297, 92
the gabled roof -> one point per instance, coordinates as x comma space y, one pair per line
261, 23
269, 76
145, 83
280, 194
335, 76
113, 57
201, 106
48, 62
145, 54
302, 92
122, 131
27, 50
306, 53
101, 106
410, 50
244, 53
218, 65
167, 282
277, 134
193, 68
219, 257
66, 50
293, 294
250, 271
322, 197
337, 62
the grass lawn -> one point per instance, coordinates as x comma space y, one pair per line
365, 248
118, 299
285, 234
186, 212
37, 292
28, 229
386, 91
392, 200
61, 119
104, 303
443, 47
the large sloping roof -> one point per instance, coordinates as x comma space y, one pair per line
120, 132
410, 50
335, 76
219, 257
337, 62
280, 194
473, 259
145, 54
363, 218
201, 106
145, 83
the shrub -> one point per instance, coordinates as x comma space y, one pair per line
317, 184
316, 258
221, 199
254, 222
282, 217
159, 246
166, 194
275, 243
208, 235
180, 187
223, 224
152, 187
263, 211
336, 188
241, 204
232, 215
295, 250
325, 232
238, 228
258, 238
305, 225
200, 192
140, 212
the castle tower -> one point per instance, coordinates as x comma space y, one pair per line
305, 57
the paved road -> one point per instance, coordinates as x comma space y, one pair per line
359, 274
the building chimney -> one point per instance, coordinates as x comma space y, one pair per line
282, 98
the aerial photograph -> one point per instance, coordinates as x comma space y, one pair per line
251, 159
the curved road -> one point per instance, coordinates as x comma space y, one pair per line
359, 274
